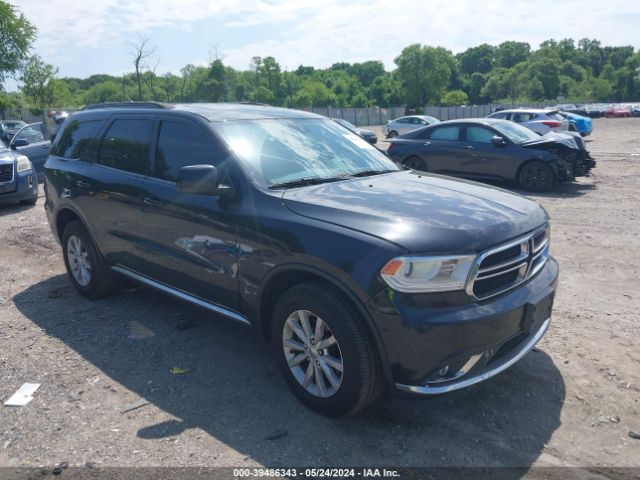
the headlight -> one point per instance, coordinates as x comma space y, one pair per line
428, 274
23, 164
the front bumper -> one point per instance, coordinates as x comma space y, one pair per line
440, 343
24, 186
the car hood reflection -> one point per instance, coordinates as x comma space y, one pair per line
420, 212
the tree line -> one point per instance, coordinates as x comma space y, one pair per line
423, 75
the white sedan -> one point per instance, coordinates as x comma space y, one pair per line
407, 124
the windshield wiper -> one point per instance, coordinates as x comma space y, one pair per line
302, 182
368, 173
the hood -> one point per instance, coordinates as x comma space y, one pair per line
6, 156
567, 139
420, 212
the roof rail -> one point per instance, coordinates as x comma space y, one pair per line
97, 106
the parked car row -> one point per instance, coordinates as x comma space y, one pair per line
494, 149
364, 277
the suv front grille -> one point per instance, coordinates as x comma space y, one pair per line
506, 266
6, 172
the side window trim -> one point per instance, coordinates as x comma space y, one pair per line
155, 142
105, 129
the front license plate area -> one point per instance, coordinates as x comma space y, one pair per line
536, 313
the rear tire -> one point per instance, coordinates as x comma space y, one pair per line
356, 382
416, 163
536, 177
87, 272
392, 134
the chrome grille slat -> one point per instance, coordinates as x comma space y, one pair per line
6, 172
497, 278
522, 257
516, 267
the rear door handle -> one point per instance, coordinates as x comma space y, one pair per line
468, 147
426, 144
153, 202
81, 184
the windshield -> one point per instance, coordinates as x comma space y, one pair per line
278, 151
514, 132
13, 125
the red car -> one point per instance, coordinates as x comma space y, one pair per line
617, 112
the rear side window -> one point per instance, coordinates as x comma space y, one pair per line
445, 133
77, 140
180, 145
126, 145
523, 117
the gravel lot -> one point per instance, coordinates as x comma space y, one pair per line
572, 401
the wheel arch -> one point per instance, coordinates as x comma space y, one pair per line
280, 279
67, 214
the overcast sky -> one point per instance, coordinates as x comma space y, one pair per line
86, 37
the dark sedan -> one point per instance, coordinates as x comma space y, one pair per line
494, 149
368, 135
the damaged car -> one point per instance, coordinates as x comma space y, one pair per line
493, 149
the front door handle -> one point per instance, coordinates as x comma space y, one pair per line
469, 147
153, 202
44, 147
426, 144
81, 184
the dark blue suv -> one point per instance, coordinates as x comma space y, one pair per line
363, 277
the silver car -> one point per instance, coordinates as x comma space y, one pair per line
407, 124
538, 120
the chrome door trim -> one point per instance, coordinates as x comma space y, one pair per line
213, 307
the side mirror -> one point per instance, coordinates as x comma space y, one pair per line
19, 142
201, 180
498, 141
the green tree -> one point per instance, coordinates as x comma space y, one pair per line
424, 72
454, 97
16, 36
478, 59
509, 54
37, 82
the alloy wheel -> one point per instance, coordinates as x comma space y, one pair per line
78, 261
312, 353
535, 177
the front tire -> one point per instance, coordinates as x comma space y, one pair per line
392, 134
536, 177
339, 372
87, 272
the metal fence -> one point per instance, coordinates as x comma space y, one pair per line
476, 111
358, 116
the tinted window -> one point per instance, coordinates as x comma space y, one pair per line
479, 134
445, 133
126, 145
180, 145
77, 139
499, 115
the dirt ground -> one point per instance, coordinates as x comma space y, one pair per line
571, 402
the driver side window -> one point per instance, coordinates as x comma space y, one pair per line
479, 134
